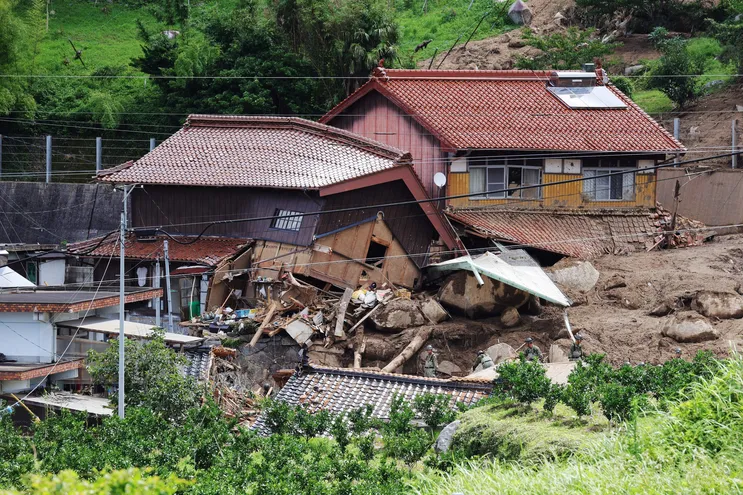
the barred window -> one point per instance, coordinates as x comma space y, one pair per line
286, 222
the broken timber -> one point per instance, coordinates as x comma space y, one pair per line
264, 324
341, 316
413, 347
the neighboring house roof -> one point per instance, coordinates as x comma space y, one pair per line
29, 371
11, 278
199, 363
68, 301
510, 110
248, 151
208, 251
582, 234
340, 390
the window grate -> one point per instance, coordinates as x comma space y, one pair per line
287, 222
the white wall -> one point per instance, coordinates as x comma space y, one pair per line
25, 339
51, 272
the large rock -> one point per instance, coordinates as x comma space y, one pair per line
688, 328
432, 310
718, 304
446, 437
500, 353
575, 275
520, 13
532, 307
557, 355
510, 317
449, 368
615, 282
633, 69
461, 294
398, 315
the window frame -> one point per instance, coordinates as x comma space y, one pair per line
505, 164
609, 170
287, 224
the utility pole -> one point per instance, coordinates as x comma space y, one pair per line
157, 286
734, 146
1, 155
98, 154
122, 269
152, 144
48, 159
676, 134
167, 286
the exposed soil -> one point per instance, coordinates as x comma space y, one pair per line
614, 322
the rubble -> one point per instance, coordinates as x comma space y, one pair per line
462, 294
615, 282
688, 328
433, 311
718, 304
510, 317
398, 315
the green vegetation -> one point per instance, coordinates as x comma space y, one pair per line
693, 448
653, 101
676, 15
563, 51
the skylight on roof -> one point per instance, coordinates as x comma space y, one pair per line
593, 97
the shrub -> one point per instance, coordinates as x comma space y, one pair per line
401, 417
677, 72
658, 36
552, 397
434, 409
624, 84
619, 402
522, 381
564, 50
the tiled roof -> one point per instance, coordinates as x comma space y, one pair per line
340, 390
199, 363
206, 250
246, 151
581, 234
510, 110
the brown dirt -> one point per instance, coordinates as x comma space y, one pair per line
613, 322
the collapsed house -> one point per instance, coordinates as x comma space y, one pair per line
304, 192
527, 154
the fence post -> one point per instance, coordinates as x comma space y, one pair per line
676, 133
98, 154
1, 156
734, 147
48, 159
152, 144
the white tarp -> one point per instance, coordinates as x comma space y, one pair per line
131, 329
10, 278
513, 267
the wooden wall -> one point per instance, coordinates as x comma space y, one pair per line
167, 205
336, 258
375, 117
563, 195
408, 223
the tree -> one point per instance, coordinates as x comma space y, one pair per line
730, 36
565, 50
152, 375
677, 72
20, 24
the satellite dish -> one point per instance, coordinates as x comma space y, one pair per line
439, 179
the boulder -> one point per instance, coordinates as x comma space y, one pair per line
574, 275
532, 307
500, 353
557, 355
688, 328
446, 437
520, 13
510, 317
398, 315
633, 69
616, 281
516, 43
432, 310
461, 294
718, 304
665, 308
449, 368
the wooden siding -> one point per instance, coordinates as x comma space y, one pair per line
408, 223
167, 205
565, 195
375, 117
337, 258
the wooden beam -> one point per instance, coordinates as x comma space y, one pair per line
266, 321
341, 316
413, 347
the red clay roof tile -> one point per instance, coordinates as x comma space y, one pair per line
511, 110
248, 151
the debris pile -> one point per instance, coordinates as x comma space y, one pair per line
677, 231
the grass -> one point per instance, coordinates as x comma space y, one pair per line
653, 101
445, 21
105, 32
694, 448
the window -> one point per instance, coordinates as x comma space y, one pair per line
31, 272
611, 187
619, 187
287, 222
504, 177
376, 253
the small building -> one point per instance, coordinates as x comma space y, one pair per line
35, 344
298, 189
502, 137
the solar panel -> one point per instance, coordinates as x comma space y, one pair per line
592, 97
